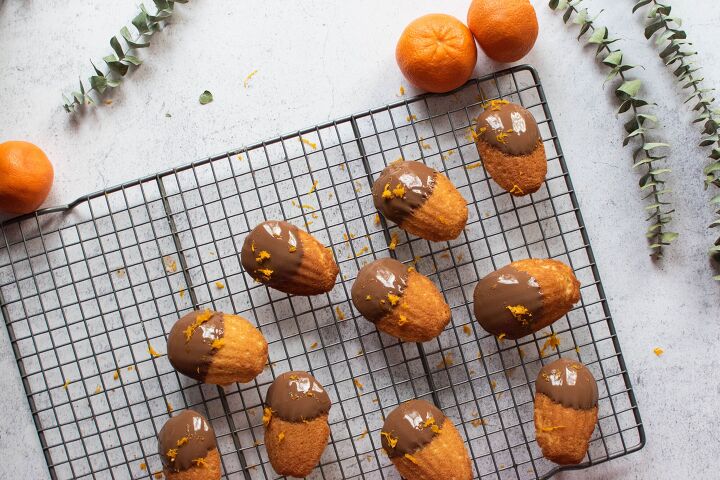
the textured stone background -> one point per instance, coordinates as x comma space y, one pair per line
320, 60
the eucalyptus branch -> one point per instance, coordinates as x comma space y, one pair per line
644, 156
119, 62
672, 42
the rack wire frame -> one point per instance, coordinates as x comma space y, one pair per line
89, 291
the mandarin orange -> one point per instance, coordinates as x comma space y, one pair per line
26, 176
436, 52
505, 29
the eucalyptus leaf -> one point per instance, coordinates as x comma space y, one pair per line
132, 42
653, 27
115, 44
598, 36
206, 97
629, 88
640, 4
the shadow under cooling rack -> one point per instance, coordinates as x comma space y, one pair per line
89, 292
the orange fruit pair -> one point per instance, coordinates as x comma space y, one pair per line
26, 176
506, 30
437, 52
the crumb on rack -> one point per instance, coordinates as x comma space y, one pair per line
447, 155
247, 79
376, 220
473, 165
360, 352
169, 407
493, 384
181, 292
467, 330
219, 285
314, 345
98, 389
446, 361
65, 385
170, 264
424, 145
358, 384
517, 189
116, 374
658, 351
363, 434
501, 337
240, 157
411, 118
521, 352
478, 421
402, 90
120, 272
158, 475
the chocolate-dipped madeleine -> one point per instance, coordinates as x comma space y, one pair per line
509, 144
420, 200
400, 301
423, 444
525, 296
288, 259
566, 411
296, 423
187, 448
216, 347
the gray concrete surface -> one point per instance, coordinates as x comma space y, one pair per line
319, 60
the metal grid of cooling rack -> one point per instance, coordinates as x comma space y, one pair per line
88, 290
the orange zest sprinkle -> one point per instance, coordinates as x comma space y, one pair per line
402, 320
521, 313
517, 189
182, 441
340, 313
358, 384
200, 462
247, 79
394, 299
217, 344
393, 241
171, 454
281, 436
658, 351
199, 320
292, 248
314, 186
494, 105
552, 341
501, 137
392, 441
501, 337
399, 190
473, 165
158, 475
267, 416
387, 194
265, 272
411, 458
552, 428
307, 142
153, 352
262, 256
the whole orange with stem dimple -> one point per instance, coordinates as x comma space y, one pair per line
436, 52
26, 176
505, 29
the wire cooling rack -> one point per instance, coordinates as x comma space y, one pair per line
90, 289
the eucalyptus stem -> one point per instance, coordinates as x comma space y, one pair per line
119, 62
673, 41
637, 127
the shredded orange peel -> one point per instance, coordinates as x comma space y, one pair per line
520, 313
267, 416
199, 320
392, 441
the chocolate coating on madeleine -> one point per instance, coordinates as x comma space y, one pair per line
272, 252
569, 383
509, 128
508, 301
297, 396
185, 437
411, 426
190, 343
378, 287
401, 188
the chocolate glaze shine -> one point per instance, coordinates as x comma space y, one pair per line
272, 252
509, 128
374, 283
569, 383
401, 188
189, 425
192, 357
297, 396
507, 287
411, 425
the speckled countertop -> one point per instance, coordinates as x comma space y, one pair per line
320, 60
